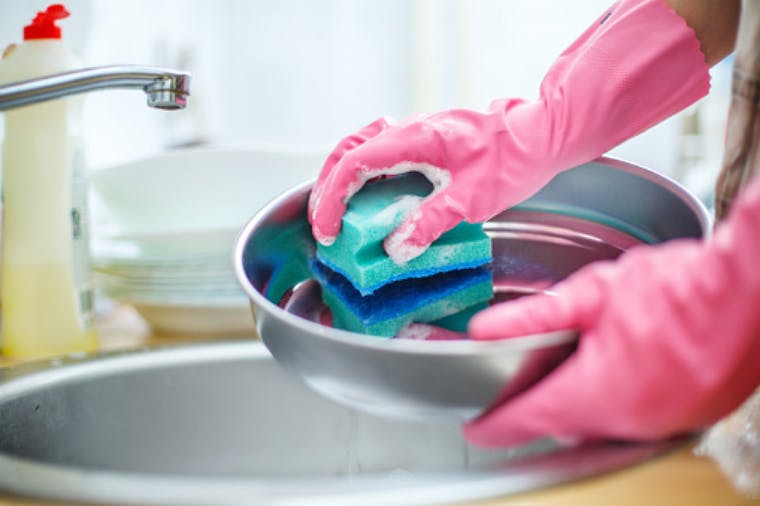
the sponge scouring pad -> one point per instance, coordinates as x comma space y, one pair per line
373, 213
389, 308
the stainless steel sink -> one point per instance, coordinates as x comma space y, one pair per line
221, 423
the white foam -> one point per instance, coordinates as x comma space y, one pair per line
403, 205
324, 240
316, 199
440, 178
415, 331
395, 245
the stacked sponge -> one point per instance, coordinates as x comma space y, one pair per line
368, 293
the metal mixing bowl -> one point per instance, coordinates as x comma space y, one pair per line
589, 213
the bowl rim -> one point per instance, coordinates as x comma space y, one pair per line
442, 347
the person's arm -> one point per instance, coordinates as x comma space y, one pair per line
742, 147
669, 340
637, 64
715, 23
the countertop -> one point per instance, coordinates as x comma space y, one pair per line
678, 478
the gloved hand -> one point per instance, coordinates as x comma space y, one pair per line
670, 340
605, 88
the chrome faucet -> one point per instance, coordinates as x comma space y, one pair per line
166, 89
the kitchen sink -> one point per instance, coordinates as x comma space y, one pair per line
221, 423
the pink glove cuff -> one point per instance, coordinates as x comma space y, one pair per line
637, 65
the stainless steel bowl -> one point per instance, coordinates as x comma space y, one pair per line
589, 213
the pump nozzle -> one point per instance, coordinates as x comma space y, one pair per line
43, 25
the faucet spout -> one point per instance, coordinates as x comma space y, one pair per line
165, 89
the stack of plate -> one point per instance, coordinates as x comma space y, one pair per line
164, 229
191, 292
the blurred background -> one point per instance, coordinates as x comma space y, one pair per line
304, 73
275, 85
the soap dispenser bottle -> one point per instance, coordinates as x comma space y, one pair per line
47, 297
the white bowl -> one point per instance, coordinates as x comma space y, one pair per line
198, 189
164, 229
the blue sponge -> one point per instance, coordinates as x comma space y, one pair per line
422, 300
373, 213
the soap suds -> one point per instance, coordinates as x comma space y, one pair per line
426, 332
438, 177
415, 331
315, 199
395, 244
314, 202
403, 206
324, 240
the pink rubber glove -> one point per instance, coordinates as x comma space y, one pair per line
635, 66
670, 340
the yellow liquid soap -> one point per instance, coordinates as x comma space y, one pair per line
47, 303
53, 328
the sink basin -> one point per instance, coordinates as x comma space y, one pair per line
221, 423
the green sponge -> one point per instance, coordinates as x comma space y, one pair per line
373, 213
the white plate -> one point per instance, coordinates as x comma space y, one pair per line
232, 319
167, 247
